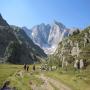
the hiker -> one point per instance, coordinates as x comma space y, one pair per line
76, 64
81, 64
27, 68
85, 64
34, 67
6, 86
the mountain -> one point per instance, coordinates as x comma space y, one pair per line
39, 34
48, 36
16, 47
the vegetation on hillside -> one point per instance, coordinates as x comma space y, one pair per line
76, 37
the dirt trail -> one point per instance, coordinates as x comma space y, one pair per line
49, 84
55, 83
45, 86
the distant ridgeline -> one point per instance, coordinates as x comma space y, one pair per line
16, 47
76, 47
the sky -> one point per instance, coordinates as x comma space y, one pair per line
72, 13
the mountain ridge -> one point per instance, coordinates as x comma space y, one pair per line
16, 47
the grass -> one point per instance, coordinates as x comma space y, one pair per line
75, 80
19, 83
8, 72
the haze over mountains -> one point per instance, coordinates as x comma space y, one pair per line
47, 36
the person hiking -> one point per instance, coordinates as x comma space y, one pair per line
34, 67
27, 68
6, 86
78, 65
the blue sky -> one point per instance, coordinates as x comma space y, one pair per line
72, 13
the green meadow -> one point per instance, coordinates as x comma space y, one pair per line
76, 80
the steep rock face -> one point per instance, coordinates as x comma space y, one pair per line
39, 34
48, 36
16, 47
57, 32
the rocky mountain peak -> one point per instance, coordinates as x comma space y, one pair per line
59, 24
47, 36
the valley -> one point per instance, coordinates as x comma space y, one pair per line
67, 68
